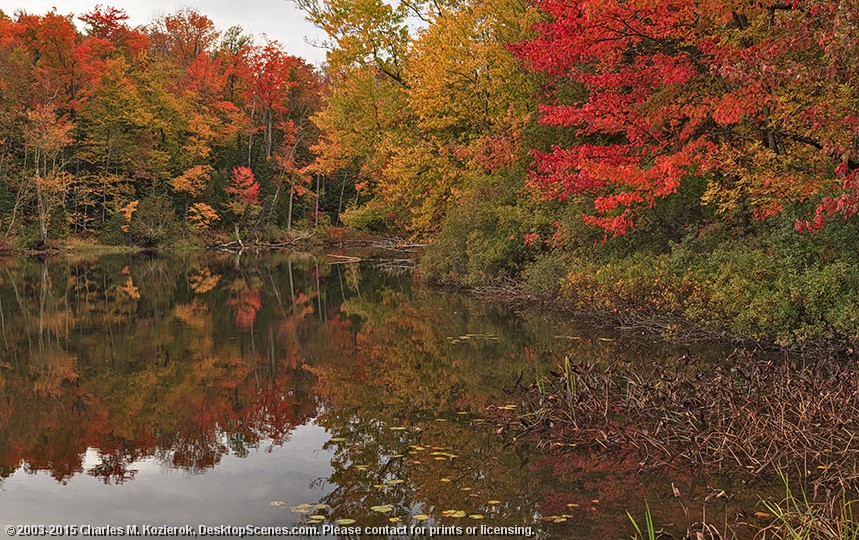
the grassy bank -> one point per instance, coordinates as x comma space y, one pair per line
684, 277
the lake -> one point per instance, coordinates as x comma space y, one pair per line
287, 390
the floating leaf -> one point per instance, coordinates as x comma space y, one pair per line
394, 519
421, 517
493, 501
394, 481
362, 467
763, 515
317, 516
382, 508
559, 520
321, 506
278, 503
458, 514
344, 521
337, 439
398, 428
445, 480
476, 516
466, 489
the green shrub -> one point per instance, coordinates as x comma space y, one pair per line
154, 221
371, 217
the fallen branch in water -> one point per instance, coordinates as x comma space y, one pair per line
237, 246
344, 259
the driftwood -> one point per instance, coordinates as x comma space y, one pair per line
393, 243
237, 246
344, 259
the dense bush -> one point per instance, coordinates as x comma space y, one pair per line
154, 221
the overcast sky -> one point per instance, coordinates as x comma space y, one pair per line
278, 19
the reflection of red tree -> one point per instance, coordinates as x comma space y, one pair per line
246, 305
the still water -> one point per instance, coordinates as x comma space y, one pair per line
287, 389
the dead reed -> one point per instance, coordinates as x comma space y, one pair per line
760, 415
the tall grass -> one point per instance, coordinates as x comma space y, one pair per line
796, 517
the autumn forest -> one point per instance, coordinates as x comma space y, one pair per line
493, 259
654, 160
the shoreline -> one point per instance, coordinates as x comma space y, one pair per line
671, 328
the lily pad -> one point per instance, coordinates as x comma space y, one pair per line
344, 521
421, 517
384, 508
476, 516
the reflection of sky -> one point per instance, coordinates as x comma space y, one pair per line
278, 19
237, 491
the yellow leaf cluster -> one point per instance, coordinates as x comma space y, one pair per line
193, 181
202, 215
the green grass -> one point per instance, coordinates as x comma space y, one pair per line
796, 517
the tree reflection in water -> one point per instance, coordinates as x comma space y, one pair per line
111, 361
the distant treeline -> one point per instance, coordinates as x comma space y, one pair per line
142, 135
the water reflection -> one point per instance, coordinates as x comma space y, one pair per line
145, 358
123, 369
